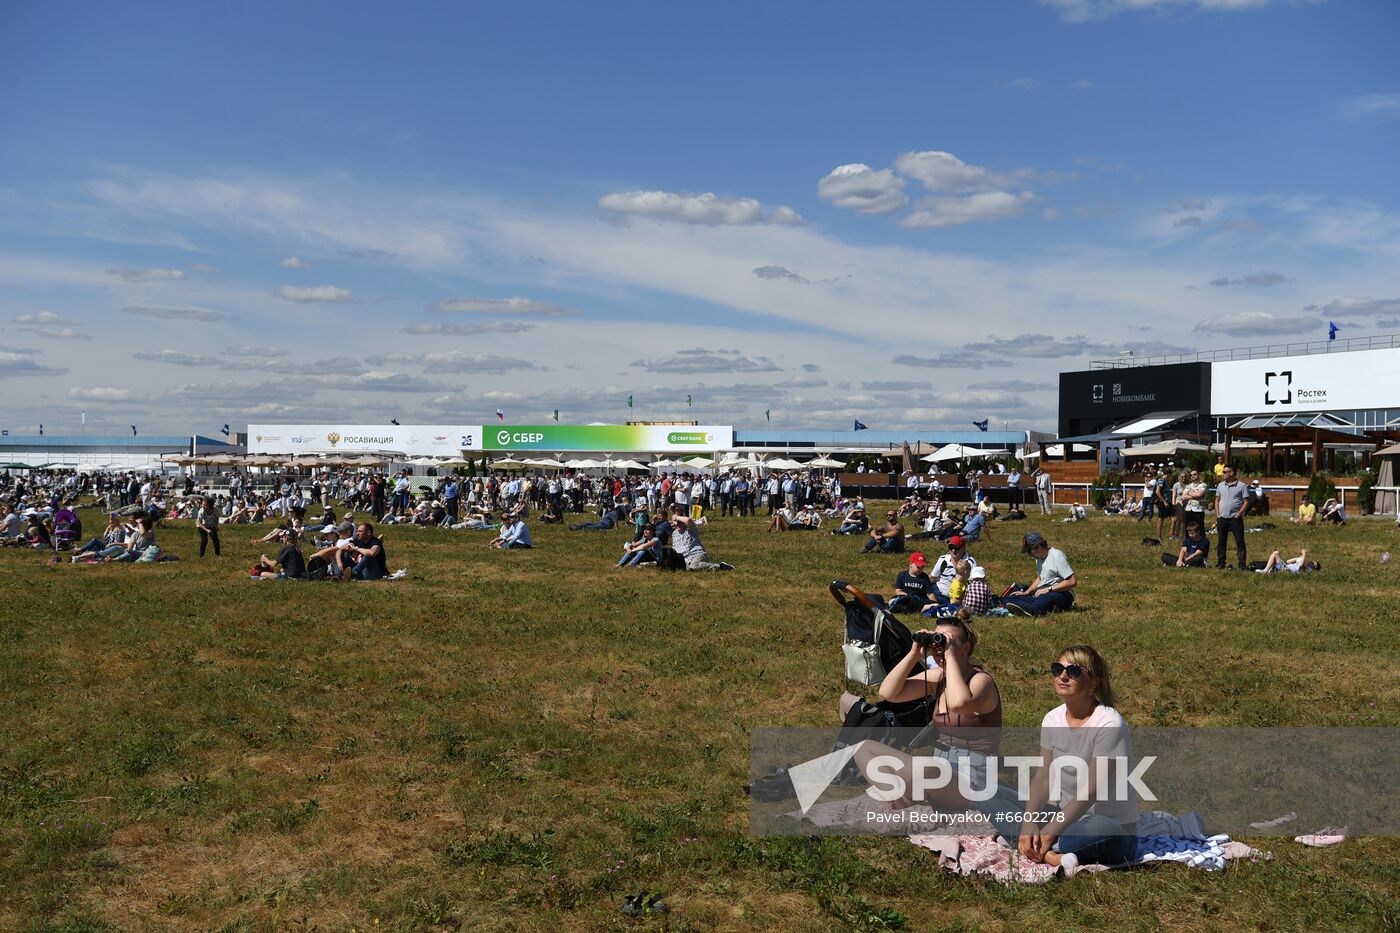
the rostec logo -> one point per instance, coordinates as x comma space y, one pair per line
332, 438
1278, 388
1098, 393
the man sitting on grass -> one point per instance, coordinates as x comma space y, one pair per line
514, 533
365, 557
911, 587
889, 537
1053, 587
685, 541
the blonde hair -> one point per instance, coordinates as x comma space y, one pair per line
1088, 657
962, 568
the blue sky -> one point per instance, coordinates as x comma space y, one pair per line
914, 214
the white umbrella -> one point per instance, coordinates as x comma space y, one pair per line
507, 463
825, 463
700, 463
545, 463
424, 461
629, 465
959, 452
663, 463
780, 463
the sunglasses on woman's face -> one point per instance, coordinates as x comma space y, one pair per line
1073, 670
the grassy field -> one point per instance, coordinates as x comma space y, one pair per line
517, 740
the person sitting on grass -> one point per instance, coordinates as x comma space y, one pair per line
36, 534
1276, 564
1098, 825
978, 598
966, 709
551, 516
781, 520
141, 539
889, 537
1194, 551
855, 520
1332, 511
807, 519
1307, 513
944, 570
290, 562
644, 550
962, 572
113, 535
365, 557
514, 533
911, 587
685, 541
1053, 587
334, 551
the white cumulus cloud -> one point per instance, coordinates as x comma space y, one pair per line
1258, 324
504, 307
952, 210
858, 187
293, 262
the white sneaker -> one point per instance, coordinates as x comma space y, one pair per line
1069, 865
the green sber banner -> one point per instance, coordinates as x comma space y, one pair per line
609, 437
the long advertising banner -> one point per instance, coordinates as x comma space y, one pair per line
448, 440
622, 438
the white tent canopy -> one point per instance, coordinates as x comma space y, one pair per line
825, 463
959, 452
545, 463
781, 463
1058, 450
1163, 449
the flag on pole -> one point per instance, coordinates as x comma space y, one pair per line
981, 425
224, 432
768, 413
1332, 331
41, 430
501, 415
629, 401
393, 421
556, 414
859, 426
689, 401
133, 430
84, 417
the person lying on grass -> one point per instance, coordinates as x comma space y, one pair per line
113, 535
1194, 550
289, 564
1276, 564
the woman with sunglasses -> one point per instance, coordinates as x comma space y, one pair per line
1100, 828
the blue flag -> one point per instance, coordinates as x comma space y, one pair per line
393, 421
981, 425
41, 430
1332, 331
860, 427
133, 430
225, 431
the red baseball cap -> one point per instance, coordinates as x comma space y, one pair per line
956, 542
918, 559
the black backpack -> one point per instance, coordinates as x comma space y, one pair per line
895, 637
317, 568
